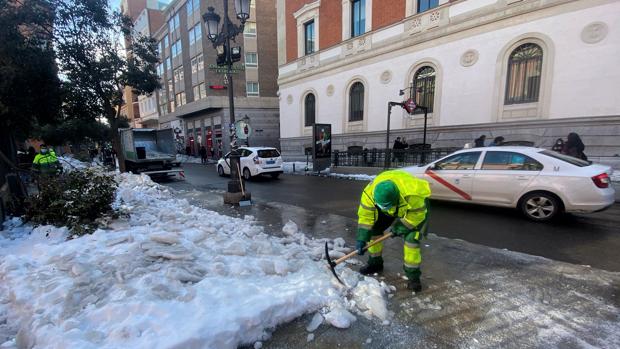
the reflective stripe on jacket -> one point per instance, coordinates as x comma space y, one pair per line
410, 210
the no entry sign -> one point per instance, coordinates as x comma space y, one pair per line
410, 105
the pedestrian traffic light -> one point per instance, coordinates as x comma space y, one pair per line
235, 53
221, 55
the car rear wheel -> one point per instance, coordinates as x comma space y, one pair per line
247, 174
220, 171
540, 206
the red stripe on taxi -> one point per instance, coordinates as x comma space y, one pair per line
448, 185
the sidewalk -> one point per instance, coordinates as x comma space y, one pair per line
473, 296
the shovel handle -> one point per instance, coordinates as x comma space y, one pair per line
351, 254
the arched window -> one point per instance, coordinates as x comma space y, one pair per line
309, 109
356, 102
424, 82
524, 71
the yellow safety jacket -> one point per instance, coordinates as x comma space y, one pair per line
410, 211
46, 163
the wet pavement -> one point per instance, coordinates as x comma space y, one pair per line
474, 296
588, 239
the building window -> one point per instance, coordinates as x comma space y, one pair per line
197, 64
179, 75
168, 63
249, 29
425, 5
524, 71
309, 109
424, 82
173, 23
200, 91
172, 106
166, 41
309, 37
191, 6
177, 48
195, 33
356, 102
251, 88
358, 17
251, 59
180, 99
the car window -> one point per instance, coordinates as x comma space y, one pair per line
462, 161
566, 158
505, 160
268, 153
245, 152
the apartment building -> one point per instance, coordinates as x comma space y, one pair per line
147, 17
193, 99
527, 70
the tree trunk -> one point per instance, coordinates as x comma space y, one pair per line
116, 144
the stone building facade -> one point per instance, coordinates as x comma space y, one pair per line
527, 70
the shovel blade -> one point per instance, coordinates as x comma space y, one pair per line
332, 265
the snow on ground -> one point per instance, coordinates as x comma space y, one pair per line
170, 275
189, 159
300, 167
69, 163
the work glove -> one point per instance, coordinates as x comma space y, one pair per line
360, 247
399, 229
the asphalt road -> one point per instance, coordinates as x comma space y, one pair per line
592, 239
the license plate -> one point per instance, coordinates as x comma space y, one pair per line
271, 162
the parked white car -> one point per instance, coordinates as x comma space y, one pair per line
254, 161
541, 183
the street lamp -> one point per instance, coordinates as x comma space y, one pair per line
221, 36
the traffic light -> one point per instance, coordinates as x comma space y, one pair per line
235, 54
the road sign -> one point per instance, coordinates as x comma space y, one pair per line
410, 105
243, 129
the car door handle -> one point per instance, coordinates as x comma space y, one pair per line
466, 176
522, 178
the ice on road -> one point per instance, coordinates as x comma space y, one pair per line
172, 275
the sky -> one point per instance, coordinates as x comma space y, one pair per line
114, 3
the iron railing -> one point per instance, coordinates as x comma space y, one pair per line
388, 158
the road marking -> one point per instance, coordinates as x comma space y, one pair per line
448, 185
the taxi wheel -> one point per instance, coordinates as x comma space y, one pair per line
220, 171
246, 174
540, 206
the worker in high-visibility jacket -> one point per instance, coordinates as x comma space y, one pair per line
46, 161
396, 201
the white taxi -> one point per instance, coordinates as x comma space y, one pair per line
541, 183
254, 161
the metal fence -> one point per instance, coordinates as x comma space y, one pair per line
388, 158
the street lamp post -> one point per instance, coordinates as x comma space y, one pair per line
221, 37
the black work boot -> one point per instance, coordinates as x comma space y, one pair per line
414, 285
375, 265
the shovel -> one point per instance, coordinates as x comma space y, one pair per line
243, 202
333, 264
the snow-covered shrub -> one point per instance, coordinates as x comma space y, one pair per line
76, 199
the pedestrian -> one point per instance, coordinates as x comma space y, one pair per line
396, 148
32, 153
188, 150
558, 145
403, 146
574, 147
46, 162
479, 142
497, 141
397, 201
203, 154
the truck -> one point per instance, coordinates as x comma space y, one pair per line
150, 151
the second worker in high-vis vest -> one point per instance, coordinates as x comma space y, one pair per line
396, 201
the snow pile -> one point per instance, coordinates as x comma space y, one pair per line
357, 177
69, 163
189, 159
171, 275
300, 166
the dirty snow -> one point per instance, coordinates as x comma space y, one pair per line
190, 159
170, 275
300, 166
69, 163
